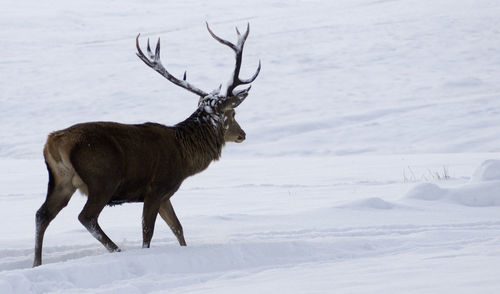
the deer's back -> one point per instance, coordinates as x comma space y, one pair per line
124, 160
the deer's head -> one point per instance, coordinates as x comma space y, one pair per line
217, 107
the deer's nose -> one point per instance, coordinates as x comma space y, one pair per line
241, 137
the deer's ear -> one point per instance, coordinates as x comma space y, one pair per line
236, 99
233, 101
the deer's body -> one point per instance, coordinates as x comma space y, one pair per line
130, 157
143, 155
115, 163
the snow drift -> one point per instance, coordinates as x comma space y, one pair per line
482, 190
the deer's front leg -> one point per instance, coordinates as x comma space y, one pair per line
149, 213
168, 214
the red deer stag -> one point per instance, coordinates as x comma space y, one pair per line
114, 163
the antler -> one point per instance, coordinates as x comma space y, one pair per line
238, 49
155, 63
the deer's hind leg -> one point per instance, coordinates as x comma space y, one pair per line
96, 163
59, 192
96, 201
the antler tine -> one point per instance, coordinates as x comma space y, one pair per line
249, 80
140, 54
157, 51
148, 49
238, 49
220, 40
245, 36
155, 63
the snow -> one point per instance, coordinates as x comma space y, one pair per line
371, 164
482, 190
489, 170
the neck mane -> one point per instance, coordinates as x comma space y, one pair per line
201, 137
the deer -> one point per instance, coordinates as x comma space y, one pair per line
113, 163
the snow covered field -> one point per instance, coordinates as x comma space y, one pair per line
370, 165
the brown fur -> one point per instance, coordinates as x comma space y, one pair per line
116, 163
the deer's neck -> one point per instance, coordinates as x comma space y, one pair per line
201, 137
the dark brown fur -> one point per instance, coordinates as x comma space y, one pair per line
116, 163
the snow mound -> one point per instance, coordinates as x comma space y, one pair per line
480, 194
484, 194
489, 170
427, 191
370, 203
483, 189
